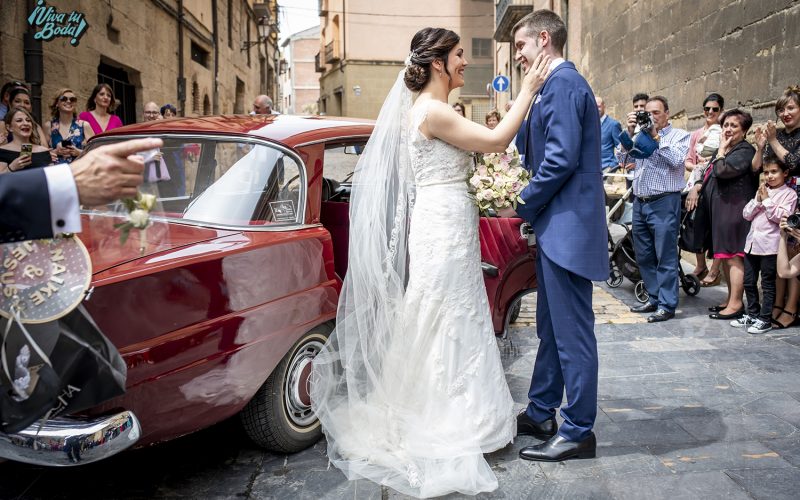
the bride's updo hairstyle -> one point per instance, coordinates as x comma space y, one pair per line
428, 45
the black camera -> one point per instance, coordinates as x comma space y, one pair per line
66, 143
644, 120
793, 221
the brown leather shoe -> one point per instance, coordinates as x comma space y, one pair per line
543, 431
558, 448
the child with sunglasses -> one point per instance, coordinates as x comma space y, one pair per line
67, 133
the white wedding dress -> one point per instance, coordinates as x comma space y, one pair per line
438, 399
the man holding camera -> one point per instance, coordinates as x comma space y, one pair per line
659, 151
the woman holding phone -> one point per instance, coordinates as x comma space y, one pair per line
25, 149
67, 133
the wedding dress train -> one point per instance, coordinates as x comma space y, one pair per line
433, 396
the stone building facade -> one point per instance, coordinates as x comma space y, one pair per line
203, 56
363, 44
299, 77
746, 50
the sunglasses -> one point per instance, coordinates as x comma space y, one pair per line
710, 109
64, 98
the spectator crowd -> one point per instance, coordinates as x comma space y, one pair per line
716, 194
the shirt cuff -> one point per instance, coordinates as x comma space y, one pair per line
65, 215
768, 202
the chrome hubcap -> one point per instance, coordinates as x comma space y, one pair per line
297, 390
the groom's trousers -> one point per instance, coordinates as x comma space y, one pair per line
567, 354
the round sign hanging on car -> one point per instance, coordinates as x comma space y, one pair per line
43, 280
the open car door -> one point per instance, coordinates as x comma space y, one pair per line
509, 267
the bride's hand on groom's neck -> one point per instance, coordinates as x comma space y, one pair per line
537, 74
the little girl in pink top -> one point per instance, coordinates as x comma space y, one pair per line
773, 201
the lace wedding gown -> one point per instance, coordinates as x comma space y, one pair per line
440, 400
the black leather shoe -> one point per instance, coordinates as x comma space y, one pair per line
557, 448
644, 308
718, 315
716, 309
660, 315
543, 431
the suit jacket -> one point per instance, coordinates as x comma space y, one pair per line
24, 206
609, 139
565, 201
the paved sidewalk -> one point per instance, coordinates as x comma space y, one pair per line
690, 408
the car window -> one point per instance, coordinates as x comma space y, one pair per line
227, 182
340, 162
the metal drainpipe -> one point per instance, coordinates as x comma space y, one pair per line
344, 38
181, 78
34, 65
214, 20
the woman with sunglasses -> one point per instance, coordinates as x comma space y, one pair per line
67, 133
99, 108
701, 145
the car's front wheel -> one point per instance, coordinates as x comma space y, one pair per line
279, 417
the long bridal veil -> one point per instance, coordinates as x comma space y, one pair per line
349, 374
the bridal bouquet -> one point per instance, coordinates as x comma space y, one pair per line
498, 180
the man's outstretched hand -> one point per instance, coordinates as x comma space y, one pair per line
108, 173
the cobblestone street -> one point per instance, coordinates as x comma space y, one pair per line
690, 408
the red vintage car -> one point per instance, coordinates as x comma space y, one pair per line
220, 305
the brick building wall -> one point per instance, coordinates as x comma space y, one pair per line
746, 50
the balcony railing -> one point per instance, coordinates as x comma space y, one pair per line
507, 14
332, 52
319, 67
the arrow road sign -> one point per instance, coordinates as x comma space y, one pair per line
500, 83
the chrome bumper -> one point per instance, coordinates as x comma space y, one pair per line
63, 442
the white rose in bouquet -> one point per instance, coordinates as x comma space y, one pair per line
498, 180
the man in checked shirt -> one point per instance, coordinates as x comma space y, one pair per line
657, 183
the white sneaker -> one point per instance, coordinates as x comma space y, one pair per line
760, 326
744, 320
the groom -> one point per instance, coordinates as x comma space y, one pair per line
564, 202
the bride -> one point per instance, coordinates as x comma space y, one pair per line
410, 388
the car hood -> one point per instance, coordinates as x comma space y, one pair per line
106, 249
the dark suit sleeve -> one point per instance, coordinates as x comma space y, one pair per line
24, 206
616, 129
519, 140
562, 111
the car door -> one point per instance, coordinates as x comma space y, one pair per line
508, 261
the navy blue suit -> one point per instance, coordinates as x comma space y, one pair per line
24, 206
565, 203
609, 139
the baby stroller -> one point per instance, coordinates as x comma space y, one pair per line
622, 256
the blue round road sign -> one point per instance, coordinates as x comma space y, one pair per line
500, 83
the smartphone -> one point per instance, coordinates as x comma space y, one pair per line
26, 150
66, 143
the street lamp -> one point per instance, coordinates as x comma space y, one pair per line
263, 33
